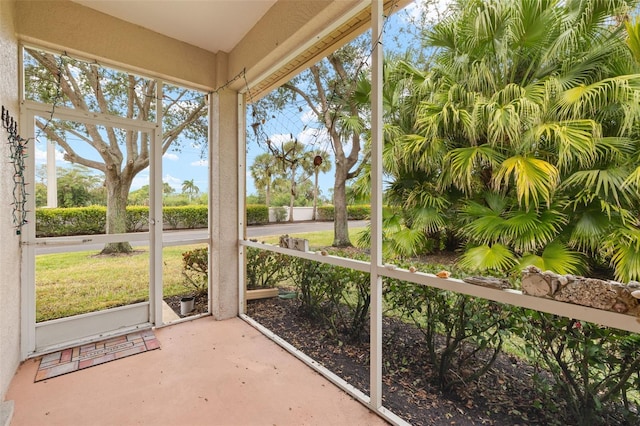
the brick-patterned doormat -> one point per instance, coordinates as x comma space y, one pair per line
89, 355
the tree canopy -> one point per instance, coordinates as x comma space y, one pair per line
118, 153
522, 139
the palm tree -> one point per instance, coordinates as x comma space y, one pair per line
526, 125
263, 170
189, 187
319, 165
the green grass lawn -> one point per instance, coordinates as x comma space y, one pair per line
316, 239
79, 282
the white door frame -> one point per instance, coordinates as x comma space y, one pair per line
38, 338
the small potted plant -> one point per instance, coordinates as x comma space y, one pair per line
195, 265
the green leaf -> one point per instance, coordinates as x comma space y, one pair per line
496, 257
555, 257
534, 179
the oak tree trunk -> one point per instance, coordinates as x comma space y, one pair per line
340, 220
117, 193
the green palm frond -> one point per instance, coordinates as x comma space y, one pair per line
503, 123
526, 231
353, 124
555, 257
429, 219
465, 163
420, 151
589, 230
482, 258
407, 242
391, 222
534, 179
497, 202
615, 149
607, 184
482, 229
423, 196
574, 141
588, 100
633, 37
495, 206
624, 246
633, 180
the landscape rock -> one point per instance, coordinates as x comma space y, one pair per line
596, 293
491, 282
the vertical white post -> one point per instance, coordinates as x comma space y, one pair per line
155, 214
376, 205
28, 236
52, 178
242, 184
212, 203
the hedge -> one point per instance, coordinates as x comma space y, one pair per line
185, 217
257, 214
358, 212
71, 221
90, 220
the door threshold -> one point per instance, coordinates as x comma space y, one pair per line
86, 340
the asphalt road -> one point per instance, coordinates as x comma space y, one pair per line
194, 234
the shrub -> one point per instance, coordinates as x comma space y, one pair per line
195, 269
257, 214
593, 368
264, 269
325, 213
360, 212
463, 336
137, 218
186, 217
70, 221
338, 297
280, 214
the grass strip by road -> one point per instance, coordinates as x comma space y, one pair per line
317, 239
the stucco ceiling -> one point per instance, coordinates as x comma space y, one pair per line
213, 25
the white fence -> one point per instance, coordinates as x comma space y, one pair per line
299, 214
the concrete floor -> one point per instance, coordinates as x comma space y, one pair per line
206, 372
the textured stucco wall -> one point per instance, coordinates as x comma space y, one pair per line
9, 241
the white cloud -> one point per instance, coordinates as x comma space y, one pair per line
171, 156
41, 156
200, 163
431, 11
172, 181
140, 180
308, 116
279, 139
318, 138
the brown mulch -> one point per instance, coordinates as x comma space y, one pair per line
500, 398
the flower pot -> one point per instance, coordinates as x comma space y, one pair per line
186, 305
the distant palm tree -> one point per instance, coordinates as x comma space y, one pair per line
189, 187
263, 170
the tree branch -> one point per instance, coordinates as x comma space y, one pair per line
70, 154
